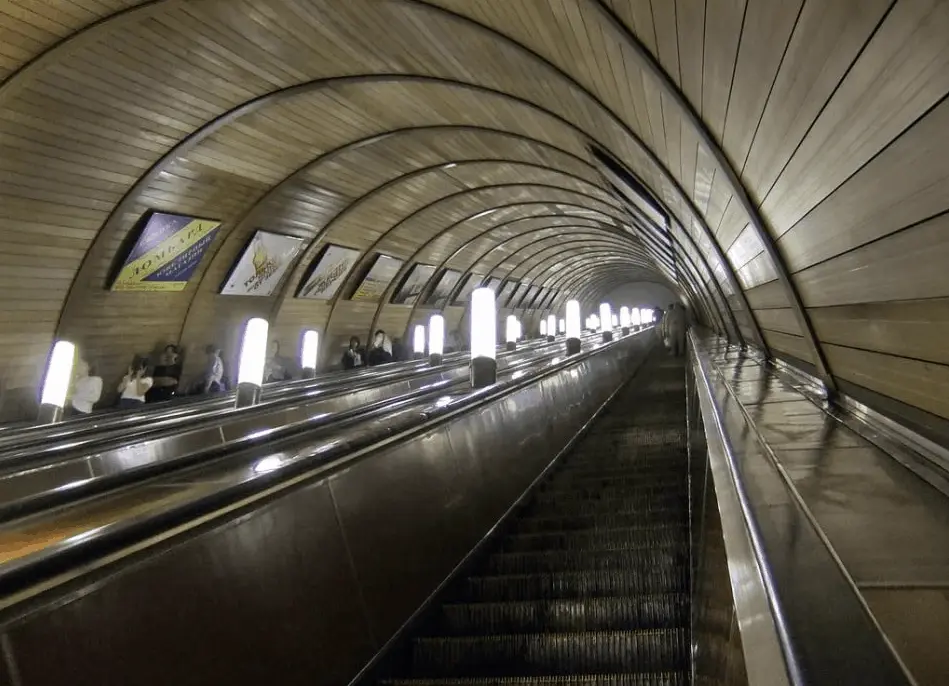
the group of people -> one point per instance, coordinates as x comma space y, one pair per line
381, 351
143, 383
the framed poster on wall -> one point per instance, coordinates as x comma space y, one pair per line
415, 281
493, 283
506, 292
328, 272
443, 287
464, 292
166, 252
378, 277
262, 264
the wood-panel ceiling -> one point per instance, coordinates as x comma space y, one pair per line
338, 121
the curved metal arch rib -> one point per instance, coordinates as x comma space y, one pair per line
758, 222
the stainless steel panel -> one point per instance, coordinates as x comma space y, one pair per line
885, 524
270, 596
406, 515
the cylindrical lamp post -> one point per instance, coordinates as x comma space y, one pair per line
484, 336
250, 368
436, 339
606, 319
543, 328
624, 319
573, 326
635, 318
510, 332
551, 327
418, 342
309, 352
56, 383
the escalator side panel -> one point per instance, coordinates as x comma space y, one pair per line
270, 591
306, 587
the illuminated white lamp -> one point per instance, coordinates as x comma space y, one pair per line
510, 332
418, 341
635, 318
250, 367
436, 339
615, 322
624, 319
572, 316
543, 327
309, 352
606, 318
551, 327
56, 384
520, 329
562, 326
595, 322
484, 336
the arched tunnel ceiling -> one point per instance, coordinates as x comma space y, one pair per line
796, 148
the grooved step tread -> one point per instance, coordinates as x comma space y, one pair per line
552, 653
630, 561
611, 613
518, 587
592, 521
641, 679
614, 538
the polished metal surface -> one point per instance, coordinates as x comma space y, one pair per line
302, 583
827, 633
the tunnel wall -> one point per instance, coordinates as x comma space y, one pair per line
797, 149
305, 586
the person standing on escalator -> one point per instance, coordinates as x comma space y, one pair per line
354, 356
675, 325
381, 350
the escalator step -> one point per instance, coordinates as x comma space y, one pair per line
551, 654
589, 584
666, 611
649, 679
604, 539
576, 508
643, 489
630, 561
558, 522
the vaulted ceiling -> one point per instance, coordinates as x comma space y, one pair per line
779, 163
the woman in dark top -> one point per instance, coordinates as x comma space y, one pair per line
166, 377
354, 356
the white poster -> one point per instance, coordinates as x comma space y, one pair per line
330, 271
262, 265
378, 278
446, 284
493, 284
529, 296
413, 285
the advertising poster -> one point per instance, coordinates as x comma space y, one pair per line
541, 300
471, 282
262, 264
166, 253
493, 283
418, 277
446, 284
329, 271
507, 290
378, 278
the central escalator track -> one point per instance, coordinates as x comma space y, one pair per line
588, 582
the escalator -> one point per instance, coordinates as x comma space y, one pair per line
588, 582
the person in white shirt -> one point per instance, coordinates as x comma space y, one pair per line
134, 385
87, 389
214, 376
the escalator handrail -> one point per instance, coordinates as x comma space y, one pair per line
86, 552
871, 658
145, 421
771, 645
